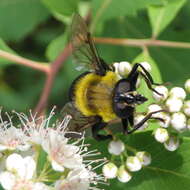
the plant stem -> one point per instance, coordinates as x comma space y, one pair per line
44, 67
141, 42
50, 78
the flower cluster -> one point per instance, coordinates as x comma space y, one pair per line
129, 164
174, 120
36, 155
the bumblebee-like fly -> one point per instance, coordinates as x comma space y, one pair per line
98, 96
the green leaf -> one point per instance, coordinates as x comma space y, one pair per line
168, 170
56, 46
20, 17
63, 7
161, 16
155, 73
106, 9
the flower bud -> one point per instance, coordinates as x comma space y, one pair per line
153, 108
161, 135
186, 107
139, 118
172, 143
123, 175
124, 68
177, 92
146, 65
187, 85
166, 118
144, 157
116, 147
178, 121
110, 170
174, 104
162, 90
116, 65
133, 163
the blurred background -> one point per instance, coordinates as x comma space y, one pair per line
38, 30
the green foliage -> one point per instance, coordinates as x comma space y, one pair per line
63, 7
161, 16
18, 18
38, 30
168, 170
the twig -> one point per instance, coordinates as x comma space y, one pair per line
50, 78
44, 67
141, 42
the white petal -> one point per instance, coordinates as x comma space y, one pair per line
13, 162
7, 180
40, 186
24, 147
30, 167
73, 162
56, 166
2, 147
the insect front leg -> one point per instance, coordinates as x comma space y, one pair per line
146, 118
132, 77
96, 128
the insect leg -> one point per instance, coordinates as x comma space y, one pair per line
96, 128
149, 84
125, 125
146, 118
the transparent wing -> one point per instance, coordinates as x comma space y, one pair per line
84, 50
79, 122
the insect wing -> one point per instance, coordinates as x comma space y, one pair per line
84, 51
79, 122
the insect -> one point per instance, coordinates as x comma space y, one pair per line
98, 96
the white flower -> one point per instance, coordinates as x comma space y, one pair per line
186, 108
138, 118
12, 138
19, 174
123, 175
133, 163
124, 68
35, 127
116, 147
161, 135
177, 92
172, 143
174, 104
110, 170
61, 154
146, 65
78, 179
162, 90
178, 121
166, 117
187, 85
144, 157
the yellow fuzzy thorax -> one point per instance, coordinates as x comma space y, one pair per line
93, 95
